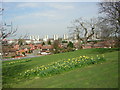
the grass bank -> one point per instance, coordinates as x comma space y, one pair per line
102, 75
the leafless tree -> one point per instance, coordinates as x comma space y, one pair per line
104, 29
21, 40
83, 29
5, 31
111, 17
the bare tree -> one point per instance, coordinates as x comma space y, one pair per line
21, 40
56, 46
111, 17
83, 29
5, 31
104, 29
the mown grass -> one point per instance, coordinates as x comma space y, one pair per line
103, 75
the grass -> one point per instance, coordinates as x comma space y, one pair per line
103, 75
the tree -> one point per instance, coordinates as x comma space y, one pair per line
64, 41
70, 44
83, 29
5, 31
56, 46
111, 17
49, 42
21, 40
104, 29
43, 43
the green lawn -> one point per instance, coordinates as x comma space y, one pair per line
102, 75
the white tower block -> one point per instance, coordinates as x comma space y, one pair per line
38, 37
30, 37
33, 37
56, 37
65, 36
45, 38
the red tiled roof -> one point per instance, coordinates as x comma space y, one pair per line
39, 45
21, 51
47, 47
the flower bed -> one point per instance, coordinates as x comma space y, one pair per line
61, 66
20, 61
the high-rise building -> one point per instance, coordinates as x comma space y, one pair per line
45, 38
65, 36
55, 37
37, 38
30, 37
34, 37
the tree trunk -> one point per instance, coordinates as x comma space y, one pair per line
1, 49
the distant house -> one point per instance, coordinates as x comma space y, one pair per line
86, 46
20, 52
32, 47
16, 47
12, 53
38, 46
46, 48
103, 44
8, 51
100, 44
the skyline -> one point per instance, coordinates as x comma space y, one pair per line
45, 18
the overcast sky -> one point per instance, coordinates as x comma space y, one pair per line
44, 18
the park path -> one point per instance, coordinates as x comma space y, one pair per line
28, 56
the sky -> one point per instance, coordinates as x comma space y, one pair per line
46, 18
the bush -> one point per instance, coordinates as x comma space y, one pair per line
23, 53
70, 44
64, 42
12, 56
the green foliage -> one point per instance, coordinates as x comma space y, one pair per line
64, 42
61, 66
95, 41
43, 43
12, 56
49, 42
23, 53
70, 44
29, 51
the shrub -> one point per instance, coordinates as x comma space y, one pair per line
64, 42
70, 44
23, 53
